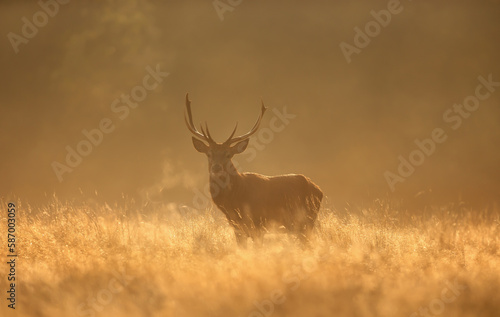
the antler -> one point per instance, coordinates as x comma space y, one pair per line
205, 132
232, 140
204, 135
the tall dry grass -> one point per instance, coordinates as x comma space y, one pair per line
377, 261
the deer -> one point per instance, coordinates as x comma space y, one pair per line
253, 203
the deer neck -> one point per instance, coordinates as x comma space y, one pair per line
223, 187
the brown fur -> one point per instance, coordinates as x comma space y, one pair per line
254, 204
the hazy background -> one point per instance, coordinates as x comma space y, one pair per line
352, 120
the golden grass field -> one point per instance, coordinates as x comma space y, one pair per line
376, 261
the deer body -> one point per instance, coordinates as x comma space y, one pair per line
253, 203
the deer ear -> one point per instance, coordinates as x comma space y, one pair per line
200, 146
240, 147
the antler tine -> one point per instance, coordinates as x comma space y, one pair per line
208, 133
193, 130
189, 121
252, 131
231, 136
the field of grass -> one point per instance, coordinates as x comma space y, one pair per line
378, 261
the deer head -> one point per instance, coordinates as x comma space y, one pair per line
219, 154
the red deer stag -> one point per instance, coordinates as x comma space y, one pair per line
254, 203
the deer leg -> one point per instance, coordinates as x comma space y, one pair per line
241, 238
304, 234
258, 238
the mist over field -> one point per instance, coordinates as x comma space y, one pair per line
391, 107
353, 120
